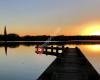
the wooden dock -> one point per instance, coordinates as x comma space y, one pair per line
71, 64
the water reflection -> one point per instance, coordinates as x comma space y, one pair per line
23, 63
6, 50
94, 47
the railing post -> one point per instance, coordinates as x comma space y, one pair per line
45, 48
57, 49
52, 48
62, 48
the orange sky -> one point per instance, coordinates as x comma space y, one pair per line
79, 29
57, 17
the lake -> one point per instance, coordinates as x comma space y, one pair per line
22, 63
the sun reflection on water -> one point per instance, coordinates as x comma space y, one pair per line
94, 47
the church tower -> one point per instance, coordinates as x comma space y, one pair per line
5, 31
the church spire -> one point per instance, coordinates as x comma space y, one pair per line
5, 36
5, 31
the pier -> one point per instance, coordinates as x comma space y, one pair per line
70, 64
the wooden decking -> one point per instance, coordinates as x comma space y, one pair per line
70, 65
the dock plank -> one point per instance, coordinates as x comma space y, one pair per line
70, 65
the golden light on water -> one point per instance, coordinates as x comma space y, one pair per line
94, 47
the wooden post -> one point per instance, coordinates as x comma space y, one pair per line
57, 49
63, 48
45, 48
52, 48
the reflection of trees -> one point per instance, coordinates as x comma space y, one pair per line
6, 44
15, 37
9, 44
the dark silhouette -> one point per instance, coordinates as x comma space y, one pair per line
44, 38
5, 31
5, 34
6, 50
70, 64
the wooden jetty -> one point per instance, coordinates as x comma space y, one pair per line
71, 64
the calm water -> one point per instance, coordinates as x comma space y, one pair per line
22, 63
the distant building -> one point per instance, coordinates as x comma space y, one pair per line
5, 31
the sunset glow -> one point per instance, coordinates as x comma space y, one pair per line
43, 17
96, 33
91, 29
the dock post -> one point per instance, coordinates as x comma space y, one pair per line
52, 48
45, 49
63, 48
57, 49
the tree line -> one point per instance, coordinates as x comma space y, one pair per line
15, 37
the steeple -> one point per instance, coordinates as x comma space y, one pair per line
5, 31
5, 36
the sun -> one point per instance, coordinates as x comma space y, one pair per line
96, 33
91, 29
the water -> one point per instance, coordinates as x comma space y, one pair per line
22, 63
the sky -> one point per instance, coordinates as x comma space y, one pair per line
48, 17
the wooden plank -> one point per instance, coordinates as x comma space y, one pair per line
70, 65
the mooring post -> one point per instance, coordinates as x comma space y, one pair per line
63, 48
52, 48
57, 49
45, 48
